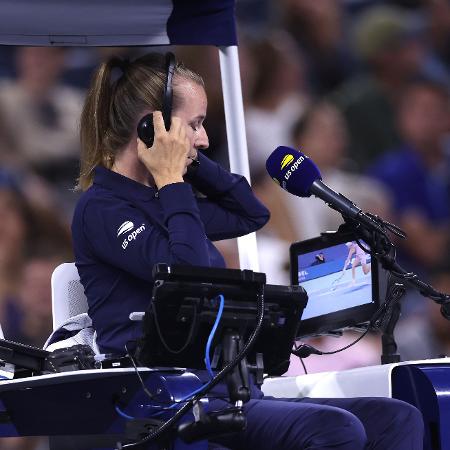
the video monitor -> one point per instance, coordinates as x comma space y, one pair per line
341, 279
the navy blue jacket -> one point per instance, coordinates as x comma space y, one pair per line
122, 228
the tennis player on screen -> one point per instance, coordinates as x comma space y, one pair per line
359, 259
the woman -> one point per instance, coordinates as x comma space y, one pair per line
360, 258
138, 209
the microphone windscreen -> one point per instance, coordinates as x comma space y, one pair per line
292, 170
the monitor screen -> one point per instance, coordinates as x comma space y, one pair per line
341, 280
335, 278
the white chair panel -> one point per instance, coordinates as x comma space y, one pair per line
68, 298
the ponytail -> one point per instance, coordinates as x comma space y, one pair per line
94, 125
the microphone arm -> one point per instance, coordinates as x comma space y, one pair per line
345, 206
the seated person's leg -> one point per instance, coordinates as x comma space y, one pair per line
390, 424
291, 425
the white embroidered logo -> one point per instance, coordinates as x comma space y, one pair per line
125, 227
132, 236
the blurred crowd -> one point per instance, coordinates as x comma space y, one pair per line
361, 86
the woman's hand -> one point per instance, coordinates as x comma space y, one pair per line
166, 158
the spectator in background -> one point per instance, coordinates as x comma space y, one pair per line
33, 240
41, 116
80, 62
390, 45
34, 301
51, 246
15, 213
417, 174
25, 299
322, 134
276, 99
318, 29
438, 14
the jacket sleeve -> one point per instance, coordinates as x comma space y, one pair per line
121, 235
229, 209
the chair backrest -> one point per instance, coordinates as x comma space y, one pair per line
68, 297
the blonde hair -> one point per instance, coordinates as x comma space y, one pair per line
112, 108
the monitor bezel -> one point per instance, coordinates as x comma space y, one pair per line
356, 317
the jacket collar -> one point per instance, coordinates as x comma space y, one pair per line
123, 186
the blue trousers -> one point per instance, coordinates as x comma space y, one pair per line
341, 424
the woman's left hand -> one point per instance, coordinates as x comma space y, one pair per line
166, 158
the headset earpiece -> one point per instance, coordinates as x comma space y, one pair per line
145, 129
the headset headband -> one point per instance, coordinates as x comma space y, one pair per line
168, 91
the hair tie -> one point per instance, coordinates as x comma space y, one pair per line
122, 65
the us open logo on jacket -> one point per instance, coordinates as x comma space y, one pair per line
127, 227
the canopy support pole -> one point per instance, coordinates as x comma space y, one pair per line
237, 140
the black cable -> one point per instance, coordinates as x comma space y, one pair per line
216, 380
164, 343
305, 350
364, 249
424, 288
303, 364
147, 392
349, 345
389, 226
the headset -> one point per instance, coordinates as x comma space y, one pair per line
145, 129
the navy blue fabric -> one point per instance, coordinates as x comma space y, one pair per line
122, 228
141, 22
325, 424
202, 22
413, 186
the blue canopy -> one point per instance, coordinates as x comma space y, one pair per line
117, 22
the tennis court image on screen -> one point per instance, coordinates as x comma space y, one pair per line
335, 278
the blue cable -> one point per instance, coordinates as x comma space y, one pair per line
207, 363
207, 355
123, 414
211, 336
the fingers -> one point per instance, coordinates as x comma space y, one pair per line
141, 146
177, 135
158, 123
175, 126
178, 131
182, 132
187, 145
142, 149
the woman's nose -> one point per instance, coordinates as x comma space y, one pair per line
202, 140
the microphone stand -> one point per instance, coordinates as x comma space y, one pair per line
386, 319
375, 233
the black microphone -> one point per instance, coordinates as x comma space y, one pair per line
297, 174
195, 161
